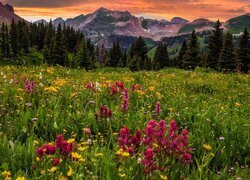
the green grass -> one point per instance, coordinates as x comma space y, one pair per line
209, 105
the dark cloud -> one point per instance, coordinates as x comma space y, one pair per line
46, 3
240, 10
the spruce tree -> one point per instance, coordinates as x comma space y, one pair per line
161, 58
192, 58
82, 56
115, 54
181, 55
139, 50
244, 51
215, 45
14, 39
48, 43
227, 61
59, 53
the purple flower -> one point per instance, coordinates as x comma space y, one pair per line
221, 138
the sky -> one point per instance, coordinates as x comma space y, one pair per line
158, 9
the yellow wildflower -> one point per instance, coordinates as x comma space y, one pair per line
163, 177
51, 89
151, 88
158, 95
76, 156
36, 142
207, 147
120, 152
98, 154
52, 170
38, 159
71, 140
73, 95
82, 148
237, 104
70, 171
122, 174
6, 173
63, 178
59, 82
20, 178
42, 172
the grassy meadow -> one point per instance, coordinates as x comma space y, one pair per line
90, 110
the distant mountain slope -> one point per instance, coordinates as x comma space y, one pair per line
198, 25
7, 14
238, 24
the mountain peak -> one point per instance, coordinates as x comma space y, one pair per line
102, 10
179, 20
9, 7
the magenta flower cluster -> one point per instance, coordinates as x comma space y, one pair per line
125, 101
30, 86
157, 144
105, 112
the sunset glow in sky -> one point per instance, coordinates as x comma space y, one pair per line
159, 9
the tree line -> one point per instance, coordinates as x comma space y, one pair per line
64, 46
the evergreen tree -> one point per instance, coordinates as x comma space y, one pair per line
139, 50
182, 53
115, 54
215, 46
244, 51
5, 46
14, 39
161, 58
59, 53
82, 56
227, 61
192, 58
49, 42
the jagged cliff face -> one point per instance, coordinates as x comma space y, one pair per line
7, 14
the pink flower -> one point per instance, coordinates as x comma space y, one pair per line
55, 161
40, 152
30, 86
125, 101
88, 131
105, 112
49, 149
157, 108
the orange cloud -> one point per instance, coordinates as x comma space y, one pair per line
160, 9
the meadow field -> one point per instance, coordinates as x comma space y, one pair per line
60, 123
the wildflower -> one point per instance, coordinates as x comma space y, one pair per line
20, 178
82, 148
163, 177
207, 147
105, 112
55, 161
6, 174
49, 149
52, 170
51, 89
121, 174
125, 101
87, 131
36, 142
238, 178
70, 172
34, 119
221, 138
75, 156
89, 141
30, 86
71, 140
40, 152
98, 154
158, 95
139, 160
158, 108
148, 160
29, 104
62, 178
237, 104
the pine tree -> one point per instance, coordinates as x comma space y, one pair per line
182, 53
244, 51
59, 53
14, 39
139, 49
161, 58
5, 45
82, 56
115, 54
215, 45
192, 58
227, 61
48, 43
